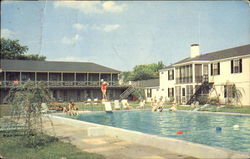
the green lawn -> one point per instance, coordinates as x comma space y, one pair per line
5, 110
11, 148
230, 109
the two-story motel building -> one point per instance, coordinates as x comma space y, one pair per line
220, 69
69, 81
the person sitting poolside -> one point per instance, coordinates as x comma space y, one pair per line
154, 106
65, 109
174, 107
126, 106
159, 109
141, 104
160, 105
70, 109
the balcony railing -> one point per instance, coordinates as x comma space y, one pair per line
184, 80
198, 79
61, 83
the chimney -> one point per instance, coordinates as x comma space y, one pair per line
195, 50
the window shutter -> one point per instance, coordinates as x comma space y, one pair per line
211, 69
168, 75
240, 65
218, 68
232, 66
173, 74
172, 92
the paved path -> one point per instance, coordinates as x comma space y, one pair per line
110, 147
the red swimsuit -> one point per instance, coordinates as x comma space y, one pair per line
104, 86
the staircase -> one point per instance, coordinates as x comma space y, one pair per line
204, 86
127, 92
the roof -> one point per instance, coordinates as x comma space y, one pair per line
54, 66
222, 54
149, 83
166, 68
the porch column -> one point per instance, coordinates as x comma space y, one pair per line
4, 76
193, 72
75, 78
48, 78
111, 78
35, 76
87, 78
202, 70
20, 77
99, 78
61, 77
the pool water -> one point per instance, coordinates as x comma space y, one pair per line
196, 127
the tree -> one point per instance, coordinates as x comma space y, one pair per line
139, 93
26, 103
234, 94
11, 49
143, 72
127, 76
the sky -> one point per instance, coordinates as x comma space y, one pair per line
122, 34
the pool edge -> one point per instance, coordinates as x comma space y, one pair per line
169, 144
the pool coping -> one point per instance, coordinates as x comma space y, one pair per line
164, 110
166, 143
219, 113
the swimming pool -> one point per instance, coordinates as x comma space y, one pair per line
196, 127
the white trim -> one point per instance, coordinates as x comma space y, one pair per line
209, 61
191, 62
231, 58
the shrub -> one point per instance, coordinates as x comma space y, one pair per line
213, 101
202, 99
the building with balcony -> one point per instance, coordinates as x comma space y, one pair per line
213, 74
69, 81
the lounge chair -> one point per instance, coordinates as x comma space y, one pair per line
95, 101
45, 109
89, 101
117, 105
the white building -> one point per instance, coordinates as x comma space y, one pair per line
218, 75
151, 88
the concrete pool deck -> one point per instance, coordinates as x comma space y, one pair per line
164, 144
108, 146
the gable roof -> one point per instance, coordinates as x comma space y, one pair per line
54, 66
166, 68
222, 54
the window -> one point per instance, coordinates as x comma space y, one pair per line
215, 68
183, 91
170, 74
236, 66
229, 91
170, 92
149, 93
184, 74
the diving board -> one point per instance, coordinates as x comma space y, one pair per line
108, 107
